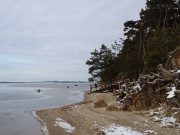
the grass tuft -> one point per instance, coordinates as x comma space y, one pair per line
112, 108
100, 103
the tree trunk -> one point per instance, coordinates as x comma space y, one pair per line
140, 38
174, 24
177, 92
159, 22
165, 18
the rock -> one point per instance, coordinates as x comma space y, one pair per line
38, 91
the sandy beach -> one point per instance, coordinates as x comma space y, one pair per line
84, 119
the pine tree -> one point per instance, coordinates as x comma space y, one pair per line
146, 44
158, 45
100, 62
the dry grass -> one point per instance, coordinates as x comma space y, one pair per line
113, 108
100, 103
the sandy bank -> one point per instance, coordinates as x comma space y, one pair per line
83, 119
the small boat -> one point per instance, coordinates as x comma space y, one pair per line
75, 85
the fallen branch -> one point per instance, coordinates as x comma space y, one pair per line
165, 74
176, 109
177, 92
154, 82
157, 75
164, 87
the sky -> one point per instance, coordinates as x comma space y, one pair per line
44, 40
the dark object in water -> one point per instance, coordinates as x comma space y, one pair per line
67, 86
38, 91
75, 85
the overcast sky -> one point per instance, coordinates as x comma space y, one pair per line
52, 39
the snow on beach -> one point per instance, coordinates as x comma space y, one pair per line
43, 128
120, 130
147, 132
64, 124
159, 116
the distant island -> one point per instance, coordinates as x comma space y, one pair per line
11, 82
67, 81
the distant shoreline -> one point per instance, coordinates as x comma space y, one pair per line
49, 82
12, 82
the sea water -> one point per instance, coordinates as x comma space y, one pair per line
18, 100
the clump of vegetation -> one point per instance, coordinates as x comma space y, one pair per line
100, 103
101, 133
112, 108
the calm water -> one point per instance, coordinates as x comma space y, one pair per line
17, 100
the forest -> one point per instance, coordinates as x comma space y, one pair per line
145, 45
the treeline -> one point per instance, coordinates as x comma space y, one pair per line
146, 44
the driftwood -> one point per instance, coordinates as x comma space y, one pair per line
177, 92
164, 87
150, 89
173, 62
154, 82
156, 75
177, 83
176, 109
144, 78
167, 75
153, 87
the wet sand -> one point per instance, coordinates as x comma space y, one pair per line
88, 120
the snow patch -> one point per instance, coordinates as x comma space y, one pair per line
155, 118
45, 130
143, 125
171, 93
64, 124
136, 122
168, 121
178, 71
75, 106
159, 116
137, 87
120, 130
148, 113
147, 132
